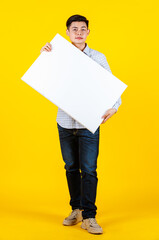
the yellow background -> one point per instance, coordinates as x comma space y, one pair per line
34, 197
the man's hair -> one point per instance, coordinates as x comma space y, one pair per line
76, 18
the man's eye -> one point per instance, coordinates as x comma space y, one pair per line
76, 30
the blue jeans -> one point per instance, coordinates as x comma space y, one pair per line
80, 148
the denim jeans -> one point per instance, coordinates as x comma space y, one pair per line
80, 148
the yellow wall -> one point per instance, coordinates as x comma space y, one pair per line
32, 172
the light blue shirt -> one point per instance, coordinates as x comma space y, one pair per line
66, 121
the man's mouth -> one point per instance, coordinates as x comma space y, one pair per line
78, 38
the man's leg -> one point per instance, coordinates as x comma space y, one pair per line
88, 153
70, 154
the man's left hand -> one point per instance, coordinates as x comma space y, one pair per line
108, 114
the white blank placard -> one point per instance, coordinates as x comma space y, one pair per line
74, 82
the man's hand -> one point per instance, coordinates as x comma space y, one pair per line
47, 47
108, 114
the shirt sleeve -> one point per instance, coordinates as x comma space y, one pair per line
105, 64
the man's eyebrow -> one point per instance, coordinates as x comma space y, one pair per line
81, 27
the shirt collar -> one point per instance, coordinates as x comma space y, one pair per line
86, 49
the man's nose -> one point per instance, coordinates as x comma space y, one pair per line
78, 31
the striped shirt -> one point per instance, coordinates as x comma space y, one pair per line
66, 121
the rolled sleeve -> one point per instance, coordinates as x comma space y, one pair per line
117, 104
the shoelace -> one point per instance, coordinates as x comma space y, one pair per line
93, 221
73, 213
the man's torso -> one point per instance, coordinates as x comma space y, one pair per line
63, 119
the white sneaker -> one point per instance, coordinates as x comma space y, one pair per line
73, 218
91, 225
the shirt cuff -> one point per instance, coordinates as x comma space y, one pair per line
117, 104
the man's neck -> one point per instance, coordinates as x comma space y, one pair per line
80, 46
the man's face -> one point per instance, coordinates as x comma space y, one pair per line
78, 32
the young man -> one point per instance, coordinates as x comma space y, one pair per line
79, 147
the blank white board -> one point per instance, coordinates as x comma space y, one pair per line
74, 82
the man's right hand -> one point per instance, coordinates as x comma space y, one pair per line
46, 48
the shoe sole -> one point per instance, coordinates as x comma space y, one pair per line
93, 232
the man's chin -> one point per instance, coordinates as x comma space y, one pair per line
76, 41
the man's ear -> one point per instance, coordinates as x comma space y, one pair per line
67, 32
88, 32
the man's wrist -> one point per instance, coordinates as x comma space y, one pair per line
115, 109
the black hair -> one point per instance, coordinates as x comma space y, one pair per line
76, 18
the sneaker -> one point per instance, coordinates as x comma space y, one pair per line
91, 225
73, 218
